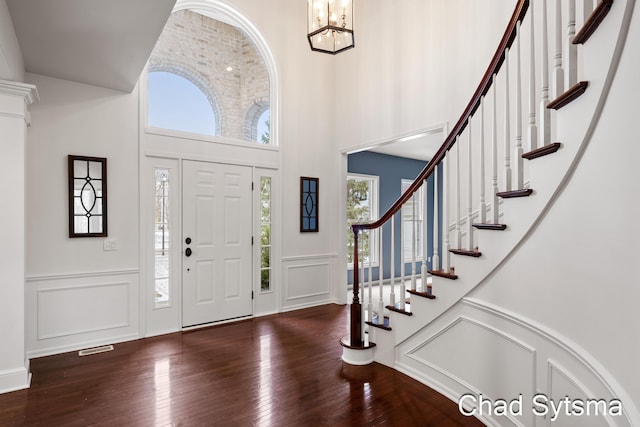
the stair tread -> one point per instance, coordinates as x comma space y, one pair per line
515, 193
422, 294
571, 94
440, 273
593, 22
466, 252
488, 226
399, 310
542, 151
384, 326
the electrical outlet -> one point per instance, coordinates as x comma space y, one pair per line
110, 244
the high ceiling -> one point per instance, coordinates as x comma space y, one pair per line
107, 43
98, 42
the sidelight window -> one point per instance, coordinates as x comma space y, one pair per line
162, 234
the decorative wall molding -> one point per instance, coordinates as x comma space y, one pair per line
308, 280
563, 342
27, 91
554, 357
43, 295
66, 276
72, 311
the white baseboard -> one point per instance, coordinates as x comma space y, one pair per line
15, 379
81, 345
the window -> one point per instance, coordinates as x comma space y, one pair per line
208, 77
265, 234
162, 237
176, 103
417, 202
264, 128
258, 123
362, 206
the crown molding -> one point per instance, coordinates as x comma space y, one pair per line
27, 91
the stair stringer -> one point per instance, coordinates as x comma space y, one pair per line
575, 124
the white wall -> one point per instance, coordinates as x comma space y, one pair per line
416, 63
77, 293
11, 62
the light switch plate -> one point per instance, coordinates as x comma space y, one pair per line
110, 244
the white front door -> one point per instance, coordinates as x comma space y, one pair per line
216, 241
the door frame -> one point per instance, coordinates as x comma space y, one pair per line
157, 321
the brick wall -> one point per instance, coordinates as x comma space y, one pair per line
201, 49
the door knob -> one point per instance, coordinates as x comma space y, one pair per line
188, 252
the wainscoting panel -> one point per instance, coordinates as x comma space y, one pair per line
476, 348
70, 312
308, 281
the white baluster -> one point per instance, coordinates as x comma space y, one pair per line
392, 297
483, 205
572, 49
370, 281
458, 216
517, 153
545, 114
425, 210
558, 71
507, 126
414, 238
533, 130
435, 260
494, 154
446, 187
470, 189
380, 280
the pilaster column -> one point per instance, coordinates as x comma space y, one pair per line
14, 118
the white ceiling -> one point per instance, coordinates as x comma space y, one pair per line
420, 146
107, 43
100, 42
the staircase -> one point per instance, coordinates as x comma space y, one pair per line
495, 177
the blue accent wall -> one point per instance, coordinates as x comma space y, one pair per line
391, 170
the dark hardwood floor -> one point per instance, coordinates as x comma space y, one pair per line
280, 370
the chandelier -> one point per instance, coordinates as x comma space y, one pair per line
330, 25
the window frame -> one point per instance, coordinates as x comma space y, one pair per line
374, 196
420, 223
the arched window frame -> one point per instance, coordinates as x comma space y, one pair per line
217, 8
199, 81
252, 118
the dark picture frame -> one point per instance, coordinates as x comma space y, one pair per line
87, 182
309, 195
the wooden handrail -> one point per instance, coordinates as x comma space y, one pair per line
484, 86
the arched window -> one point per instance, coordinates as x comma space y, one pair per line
258, 123
224, 63
264, 128
176, 103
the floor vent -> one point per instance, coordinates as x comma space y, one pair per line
95, 350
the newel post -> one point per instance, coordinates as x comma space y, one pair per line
356, 307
